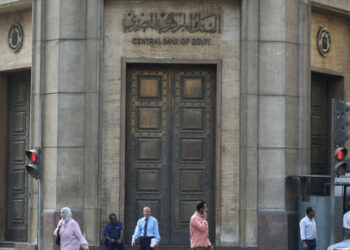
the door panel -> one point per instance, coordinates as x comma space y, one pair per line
319, 114
147, 146
192, 163
169, 146
16, 226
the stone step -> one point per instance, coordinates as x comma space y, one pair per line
7, 244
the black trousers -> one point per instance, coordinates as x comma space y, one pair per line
145, 243
114, 245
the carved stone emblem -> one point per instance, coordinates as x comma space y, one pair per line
15, 37
324, 41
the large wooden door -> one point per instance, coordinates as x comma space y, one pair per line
18, 131
170, 149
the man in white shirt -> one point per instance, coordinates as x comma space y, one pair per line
346, 224
308, 230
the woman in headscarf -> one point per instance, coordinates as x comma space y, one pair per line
69, 230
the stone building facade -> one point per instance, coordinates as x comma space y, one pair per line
164, 103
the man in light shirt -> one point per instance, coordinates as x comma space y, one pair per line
199, 230
346, 224
308, 230
147, 230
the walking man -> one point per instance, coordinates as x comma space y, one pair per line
114, 233
308, 230
199, 229
146, 229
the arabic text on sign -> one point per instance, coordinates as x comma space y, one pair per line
172, 22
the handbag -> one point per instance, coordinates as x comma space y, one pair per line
58, 238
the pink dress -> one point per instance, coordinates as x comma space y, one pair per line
71, 237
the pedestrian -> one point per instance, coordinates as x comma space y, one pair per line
346, 224
114, 233
199, 228
69, 231
146, 229
308, 230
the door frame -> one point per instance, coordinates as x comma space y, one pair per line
3, 152
218, 128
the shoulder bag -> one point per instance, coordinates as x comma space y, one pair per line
58, 238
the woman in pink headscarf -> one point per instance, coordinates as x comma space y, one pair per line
70, 234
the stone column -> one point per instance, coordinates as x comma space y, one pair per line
66, 72
278, 123
248, 122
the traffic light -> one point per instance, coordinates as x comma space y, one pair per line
340, 164
339, 134
34, 157
341, 120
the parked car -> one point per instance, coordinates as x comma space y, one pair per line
343, 245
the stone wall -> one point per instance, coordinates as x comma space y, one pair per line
23, 57
337, 61
224, 47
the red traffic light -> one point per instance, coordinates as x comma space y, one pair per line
32, 155
340, 154
33, 168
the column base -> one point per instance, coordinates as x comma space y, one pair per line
278, 230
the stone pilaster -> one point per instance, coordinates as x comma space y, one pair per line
278, 125
66, 61
248, 123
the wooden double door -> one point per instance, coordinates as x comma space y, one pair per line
18, 135
170, 146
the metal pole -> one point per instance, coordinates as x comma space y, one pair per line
332, 198
40, 213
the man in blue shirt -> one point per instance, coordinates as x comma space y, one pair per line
114, 234
146, 229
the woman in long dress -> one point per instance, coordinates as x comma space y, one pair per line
70, 234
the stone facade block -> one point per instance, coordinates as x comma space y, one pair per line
52, 31
71, 120
70, 183
292, 68
50, 175
51, 65
271, 193
92, 124
272, 20
73, 19
292, 22
272, 70
92, 83
271, 162
72, 66
272, 121
50, 120
278, 230
292, 121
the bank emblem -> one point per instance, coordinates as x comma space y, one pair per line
324, 41
15, 37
